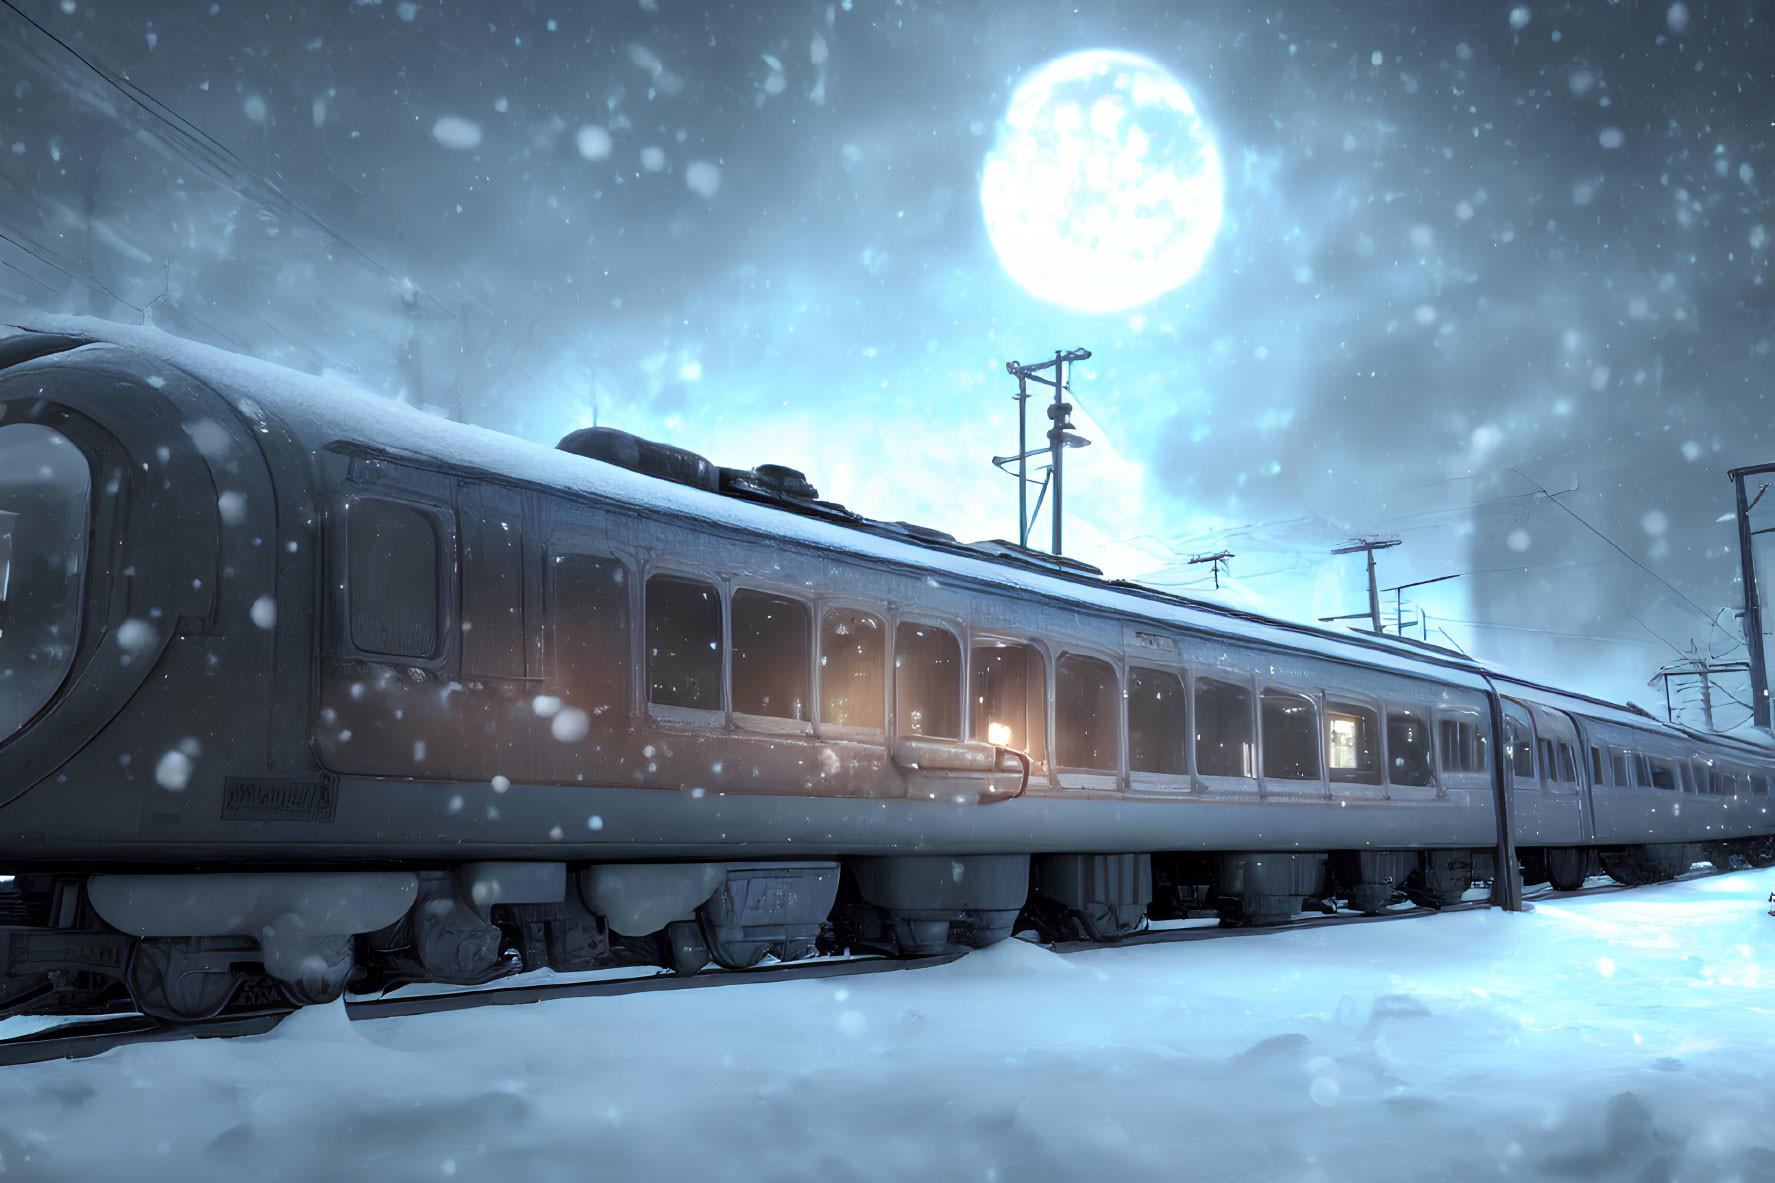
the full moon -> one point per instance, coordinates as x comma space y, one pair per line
1103, 189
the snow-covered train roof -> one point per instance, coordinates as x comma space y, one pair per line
321, 411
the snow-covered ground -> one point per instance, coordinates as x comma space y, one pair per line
1623, 1036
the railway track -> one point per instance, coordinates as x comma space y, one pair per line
86, 1036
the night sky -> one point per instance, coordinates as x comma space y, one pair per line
1492, 278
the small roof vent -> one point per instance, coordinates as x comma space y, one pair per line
778, 482
679, 465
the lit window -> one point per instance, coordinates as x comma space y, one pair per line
1353, 740
927, 681
852, 668
1010, 698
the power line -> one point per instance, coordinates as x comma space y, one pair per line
1580, 520
211, 155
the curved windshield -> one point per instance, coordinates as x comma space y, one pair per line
45, 484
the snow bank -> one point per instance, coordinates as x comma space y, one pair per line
1625, 1036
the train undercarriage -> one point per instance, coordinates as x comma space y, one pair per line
188, 948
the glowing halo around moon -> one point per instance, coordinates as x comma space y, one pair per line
1104, 188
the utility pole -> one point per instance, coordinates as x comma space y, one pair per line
1753, 613
1060, 437
1217, 560
1369, 546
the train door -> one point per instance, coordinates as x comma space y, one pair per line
1527, 801
1556, 750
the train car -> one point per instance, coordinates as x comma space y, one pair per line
301, 689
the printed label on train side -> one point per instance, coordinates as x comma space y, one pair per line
270, 800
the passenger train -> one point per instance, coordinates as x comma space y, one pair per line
302, 690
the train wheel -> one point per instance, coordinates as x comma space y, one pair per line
184, 979
1567, 867
1627, 866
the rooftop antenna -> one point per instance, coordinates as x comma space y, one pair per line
1217, 559
1367, 546
1060, 437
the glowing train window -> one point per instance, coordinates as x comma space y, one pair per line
1409, 749
1158, 730
1010, 698
1087, 714
771, 655
853, 669
392, 579
683, 643
1353, 743
1226, 733
927, 681
1290, 736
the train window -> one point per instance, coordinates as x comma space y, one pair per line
853, 670
1011, 698
1759, 784
1087, 714
1664, 774
1642, 768
1463, 745
1158, 731
683, 643
392, 579
772, 667
1408, 744
1728, 784
1290, 736
927, 681
1566, 761
1557, 761
1225, 739
1599, 773
1519, 741
590, 611
1353, 742
1618, 767
45, 488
